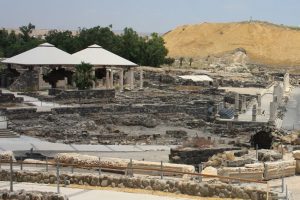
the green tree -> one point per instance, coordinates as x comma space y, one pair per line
169, 61
191, 61
155, 51
83, 76
130, 45
26, 31
64, 40
181, 59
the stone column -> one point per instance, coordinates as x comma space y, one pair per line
236, 106
131, 75
272, 112
244, 104
286, 82
107, 79
254, 113
259, 104
141, 79
121, 81
236, 102
93, 73
111, 79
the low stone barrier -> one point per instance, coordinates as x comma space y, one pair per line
202, 189
86, 161
30, 195
296, 155
250, 171
83, 95
279, 169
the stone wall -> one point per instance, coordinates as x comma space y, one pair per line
194, 110
30, 195
20, 113
83, 96
10, 98
27, 81
203, 189
196, 156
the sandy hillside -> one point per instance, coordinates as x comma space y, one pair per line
264, 43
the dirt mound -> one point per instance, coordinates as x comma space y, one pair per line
263, 42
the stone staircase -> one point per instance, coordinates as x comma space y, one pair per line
7, 133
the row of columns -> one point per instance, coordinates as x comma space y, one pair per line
110, 78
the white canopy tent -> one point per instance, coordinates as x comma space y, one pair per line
44, 54
97, 56
101, 58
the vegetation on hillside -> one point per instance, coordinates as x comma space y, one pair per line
148, 50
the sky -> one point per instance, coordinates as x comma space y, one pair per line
143, 15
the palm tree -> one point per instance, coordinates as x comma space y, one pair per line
83, 76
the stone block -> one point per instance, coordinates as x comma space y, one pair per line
279, 169
296, 154
298, 166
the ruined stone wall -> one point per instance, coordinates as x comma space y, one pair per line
203, 189
30, 195
28, 81
10, 98
20, 113
194, 110
82, 95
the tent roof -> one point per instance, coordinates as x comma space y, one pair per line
44, 54
96, 55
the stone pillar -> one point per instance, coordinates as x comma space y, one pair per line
131, 75
93, 73
121, 81
141, 79
107, 79
236, 106
111, 79
66, 83
259, 104
272, 112
237, 102
286, 80
244, 104
254, 113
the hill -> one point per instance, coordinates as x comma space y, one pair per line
264, 43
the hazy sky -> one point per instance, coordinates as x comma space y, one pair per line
143, 15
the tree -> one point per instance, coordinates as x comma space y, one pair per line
155, 51
169, 61
83, 76
130, 46
64, 40
26, 31
190, 61
181, 59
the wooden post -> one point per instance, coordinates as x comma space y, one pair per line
46, 164
11, 175
21, 164
99, 169
200, 171
161, 170
57, 177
